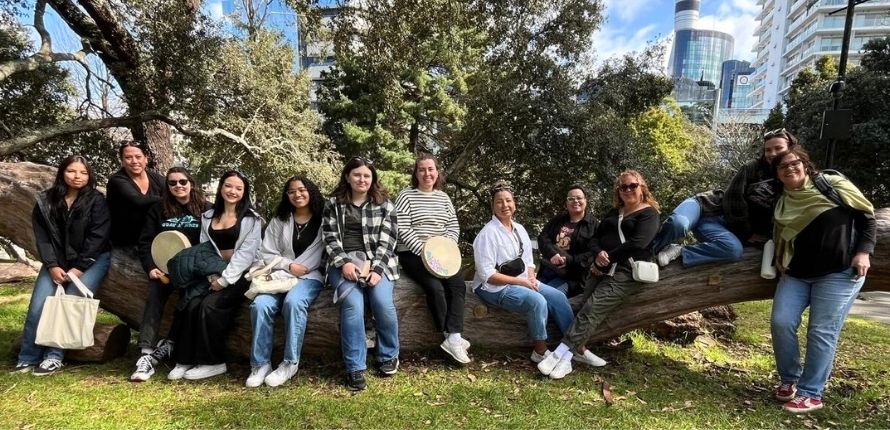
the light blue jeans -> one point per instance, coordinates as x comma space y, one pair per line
829, 298
352, 322
32, 353
294, 307
716, 244
536, 305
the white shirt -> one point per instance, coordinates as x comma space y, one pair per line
495, 245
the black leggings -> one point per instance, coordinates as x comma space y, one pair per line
203, 325
444, 297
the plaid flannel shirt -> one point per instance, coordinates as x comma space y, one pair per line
379, 233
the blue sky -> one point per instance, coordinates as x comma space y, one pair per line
630, 24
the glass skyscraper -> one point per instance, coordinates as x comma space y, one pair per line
697, 55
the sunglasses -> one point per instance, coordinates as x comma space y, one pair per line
181, 182
779, 132
500, 187
628, 187
362, 160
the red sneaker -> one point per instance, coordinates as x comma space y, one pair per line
785, 392
803, 404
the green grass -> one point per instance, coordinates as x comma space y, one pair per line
709, 384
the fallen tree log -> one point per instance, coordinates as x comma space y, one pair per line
679, 292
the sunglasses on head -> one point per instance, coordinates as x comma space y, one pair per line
501, 187
181, 182
628, 187
362, 160
779, 132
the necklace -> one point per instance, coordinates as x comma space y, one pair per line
301, 227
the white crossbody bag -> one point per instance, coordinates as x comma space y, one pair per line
643, 271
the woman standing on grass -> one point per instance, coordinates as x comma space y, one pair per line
293, 238
131, 192
822, 251
201, 326
625, 233
426, 211
71, 229
180, 209
360, 226
505, 273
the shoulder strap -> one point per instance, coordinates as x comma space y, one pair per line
826, 188
620, 233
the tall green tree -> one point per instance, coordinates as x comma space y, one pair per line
775, 119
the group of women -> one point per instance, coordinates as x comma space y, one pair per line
356, 240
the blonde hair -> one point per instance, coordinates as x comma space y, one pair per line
647, 195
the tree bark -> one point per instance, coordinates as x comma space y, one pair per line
680, 291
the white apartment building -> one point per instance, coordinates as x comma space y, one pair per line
792, 36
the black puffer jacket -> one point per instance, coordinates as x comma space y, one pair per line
189, 270
75, 238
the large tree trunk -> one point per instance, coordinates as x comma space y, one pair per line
679, 292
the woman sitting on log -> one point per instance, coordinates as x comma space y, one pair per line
131, 192
426, 211
71, 230
293, 244
565, 244
723, 221
635, 213
360, 233
825, 230
505, 273
202, 322
180, 209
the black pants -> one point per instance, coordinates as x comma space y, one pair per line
444, 297
203, 324
155, 301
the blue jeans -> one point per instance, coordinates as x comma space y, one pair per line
294, 307
715, 244
352, 322
31, 353
829, 298
548, 276
535, 304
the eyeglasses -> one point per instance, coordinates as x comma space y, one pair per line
173, 182
500, 187
626, 188
790, 164
779, 132
574, 199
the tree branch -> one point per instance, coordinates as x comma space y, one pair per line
32, 137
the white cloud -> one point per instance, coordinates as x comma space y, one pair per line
611, 41
215, 10
627, 10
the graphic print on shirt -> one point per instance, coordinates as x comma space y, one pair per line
564, 237
181, 222
762, 194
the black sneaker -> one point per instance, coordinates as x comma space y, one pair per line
22, 368
389, 367
163, 351
48, 367
355, 381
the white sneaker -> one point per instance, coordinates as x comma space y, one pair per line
465, 343
456, 351
178, 371
204, 371
258, 375
145, 367
282, 374
563, 368
669, 254
537, 358
589, 359
549, 363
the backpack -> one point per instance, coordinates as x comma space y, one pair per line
827, 189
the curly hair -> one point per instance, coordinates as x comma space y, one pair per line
286, 208
647, 195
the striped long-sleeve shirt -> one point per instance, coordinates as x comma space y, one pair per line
423, 215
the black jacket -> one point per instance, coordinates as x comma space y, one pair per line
129, 206
75, 238
639, 230
579, 257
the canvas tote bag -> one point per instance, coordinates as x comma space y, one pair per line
67, 320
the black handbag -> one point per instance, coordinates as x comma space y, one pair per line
513, 267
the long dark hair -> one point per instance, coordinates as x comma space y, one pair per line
243, 208
440, 180
171, 206
316, 201
376, 191
56, 193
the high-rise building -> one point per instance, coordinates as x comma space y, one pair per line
793, 34
697, 55
735, 84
